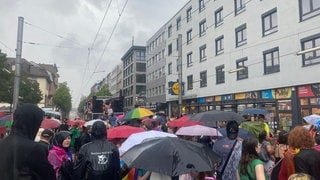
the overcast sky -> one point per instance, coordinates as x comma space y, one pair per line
64, 30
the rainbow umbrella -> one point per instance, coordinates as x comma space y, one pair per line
6, 123
138, 113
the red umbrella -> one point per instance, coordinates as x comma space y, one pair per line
122, 131
182, 122
73, 122
50, 123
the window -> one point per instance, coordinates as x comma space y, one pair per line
170, 31
189, 59
269, 22
169, 49
202, 28
170, 68
203, 79
218, 17
313, 57
309, 9
239, 6
220, 74
140, 55
189, 36
190, 82
189, 14
202, 52
140, 78
219, 45
271, 61
201, 5
141, 67
178, 23
243, 73
241, 35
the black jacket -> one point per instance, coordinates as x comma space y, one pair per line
308, 161
21, 158
98, 159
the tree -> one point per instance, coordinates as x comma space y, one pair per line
104, 91
6, 81
29, 91
62, 99
81, 105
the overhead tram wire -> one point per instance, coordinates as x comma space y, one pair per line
92, 45
105, 47
55, 34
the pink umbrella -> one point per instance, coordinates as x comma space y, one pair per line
121, 116
198, 130
50, 123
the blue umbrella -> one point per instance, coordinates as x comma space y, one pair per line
254, 111
242, 133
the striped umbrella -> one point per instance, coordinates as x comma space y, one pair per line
137, 113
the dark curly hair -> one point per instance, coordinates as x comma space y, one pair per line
299, 137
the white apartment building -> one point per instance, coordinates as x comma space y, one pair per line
242, 53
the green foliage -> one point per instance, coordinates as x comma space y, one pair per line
29, 91
104, 91
62, 99
6, 81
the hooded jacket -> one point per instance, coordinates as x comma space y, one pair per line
98, 159
21, 158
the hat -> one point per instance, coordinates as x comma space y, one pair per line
47, 133
232, 130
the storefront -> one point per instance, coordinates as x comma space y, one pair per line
286, 105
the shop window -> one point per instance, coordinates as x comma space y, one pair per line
304, 102
315, 101
284, 105
285, 121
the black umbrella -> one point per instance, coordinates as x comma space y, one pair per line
253, 111
242, 133
171, 156
210, 118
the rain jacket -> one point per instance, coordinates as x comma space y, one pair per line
98, 159
21, 158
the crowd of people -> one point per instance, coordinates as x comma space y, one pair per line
84, 153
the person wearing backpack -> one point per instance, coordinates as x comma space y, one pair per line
98, 159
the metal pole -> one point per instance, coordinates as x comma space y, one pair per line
16, 86
180, 72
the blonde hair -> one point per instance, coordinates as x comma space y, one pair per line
300, 176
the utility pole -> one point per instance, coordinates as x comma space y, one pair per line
180, 72
17, 76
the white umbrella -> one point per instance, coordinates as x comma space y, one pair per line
137, 138
313, 119
91, 122
198, 130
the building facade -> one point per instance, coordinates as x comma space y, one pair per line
134, 77
240, 54
156, 75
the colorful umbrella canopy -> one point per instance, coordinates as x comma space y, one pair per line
171, 156
198, 130
6, 118
6, 123
182, 122
137, 138
123, 131
137, 113
50, 123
